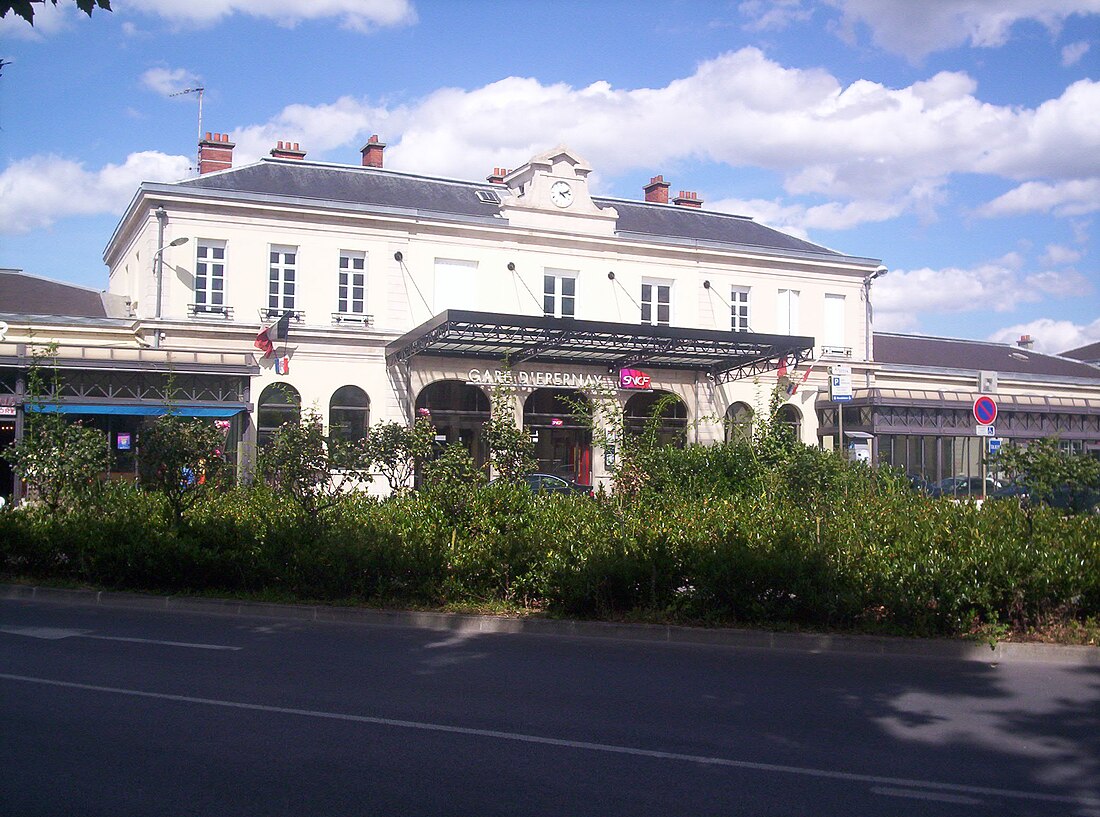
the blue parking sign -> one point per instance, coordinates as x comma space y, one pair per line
994, 445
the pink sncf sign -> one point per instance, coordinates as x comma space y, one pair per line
634, 379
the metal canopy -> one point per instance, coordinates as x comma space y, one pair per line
724, 356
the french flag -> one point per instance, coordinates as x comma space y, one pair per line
272, 334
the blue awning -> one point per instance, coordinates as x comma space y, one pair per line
135, 411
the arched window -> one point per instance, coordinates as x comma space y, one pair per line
349, 413
739, 417
279, 403
790, 417
459, 412
563, 438
670, 420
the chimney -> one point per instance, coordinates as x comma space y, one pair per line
1025, 342
372, 152
497, 176
215, 153
657, 190
288, 150
687, 198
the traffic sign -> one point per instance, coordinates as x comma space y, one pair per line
985, 410
994, 445
985, 431
840, 383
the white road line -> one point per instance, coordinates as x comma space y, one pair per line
56, 633
926, 795
164, 643
929, 785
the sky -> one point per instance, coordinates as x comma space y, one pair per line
956, 140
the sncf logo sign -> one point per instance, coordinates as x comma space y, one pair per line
634, 379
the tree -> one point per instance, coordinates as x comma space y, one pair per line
313, 468
25, 8
60, 460
182, 459
511, 450
396, 449
1044, 469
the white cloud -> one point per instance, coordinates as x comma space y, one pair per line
48, 20
1070, 198
1058, 255
798, 219
773, 15
1050, 335
998, 286
862, 152
916, 29
1072, 53
864, 141
36, 192
165, 81
359, 15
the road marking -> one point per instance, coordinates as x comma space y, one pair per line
164, 643
930, 785
55, 633
926, 795
50, 633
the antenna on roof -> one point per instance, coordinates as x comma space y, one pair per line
199, 90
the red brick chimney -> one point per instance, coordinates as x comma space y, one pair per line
687, 198
372, 152
657, 190
497, 176
1025, 342
215, 152
288, 150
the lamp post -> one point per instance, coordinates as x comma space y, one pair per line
158, 264
878, 273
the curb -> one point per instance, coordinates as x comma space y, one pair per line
1002, 652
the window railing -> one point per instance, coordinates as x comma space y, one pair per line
352, 319
209, 311
270, 314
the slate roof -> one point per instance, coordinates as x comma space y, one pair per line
951, 353
386, 188
22, 294
1089, 353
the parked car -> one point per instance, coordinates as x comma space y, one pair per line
1066, 498
551, 484
918, 483
962, 487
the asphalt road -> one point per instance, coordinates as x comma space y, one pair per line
129, 712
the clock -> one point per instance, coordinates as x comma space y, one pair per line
561, 194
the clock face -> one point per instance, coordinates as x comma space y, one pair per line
561, 194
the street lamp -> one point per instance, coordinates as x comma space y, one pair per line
878, 273
158, 271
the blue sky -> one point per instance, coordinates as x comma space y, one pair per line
957, 140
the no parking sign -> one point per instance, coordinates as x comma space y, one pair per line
985, 410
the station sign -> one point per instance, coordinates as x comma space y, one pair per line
538, 380
628, 379
634, 379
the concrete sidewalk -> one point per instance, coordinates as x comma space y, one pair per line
452, 622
